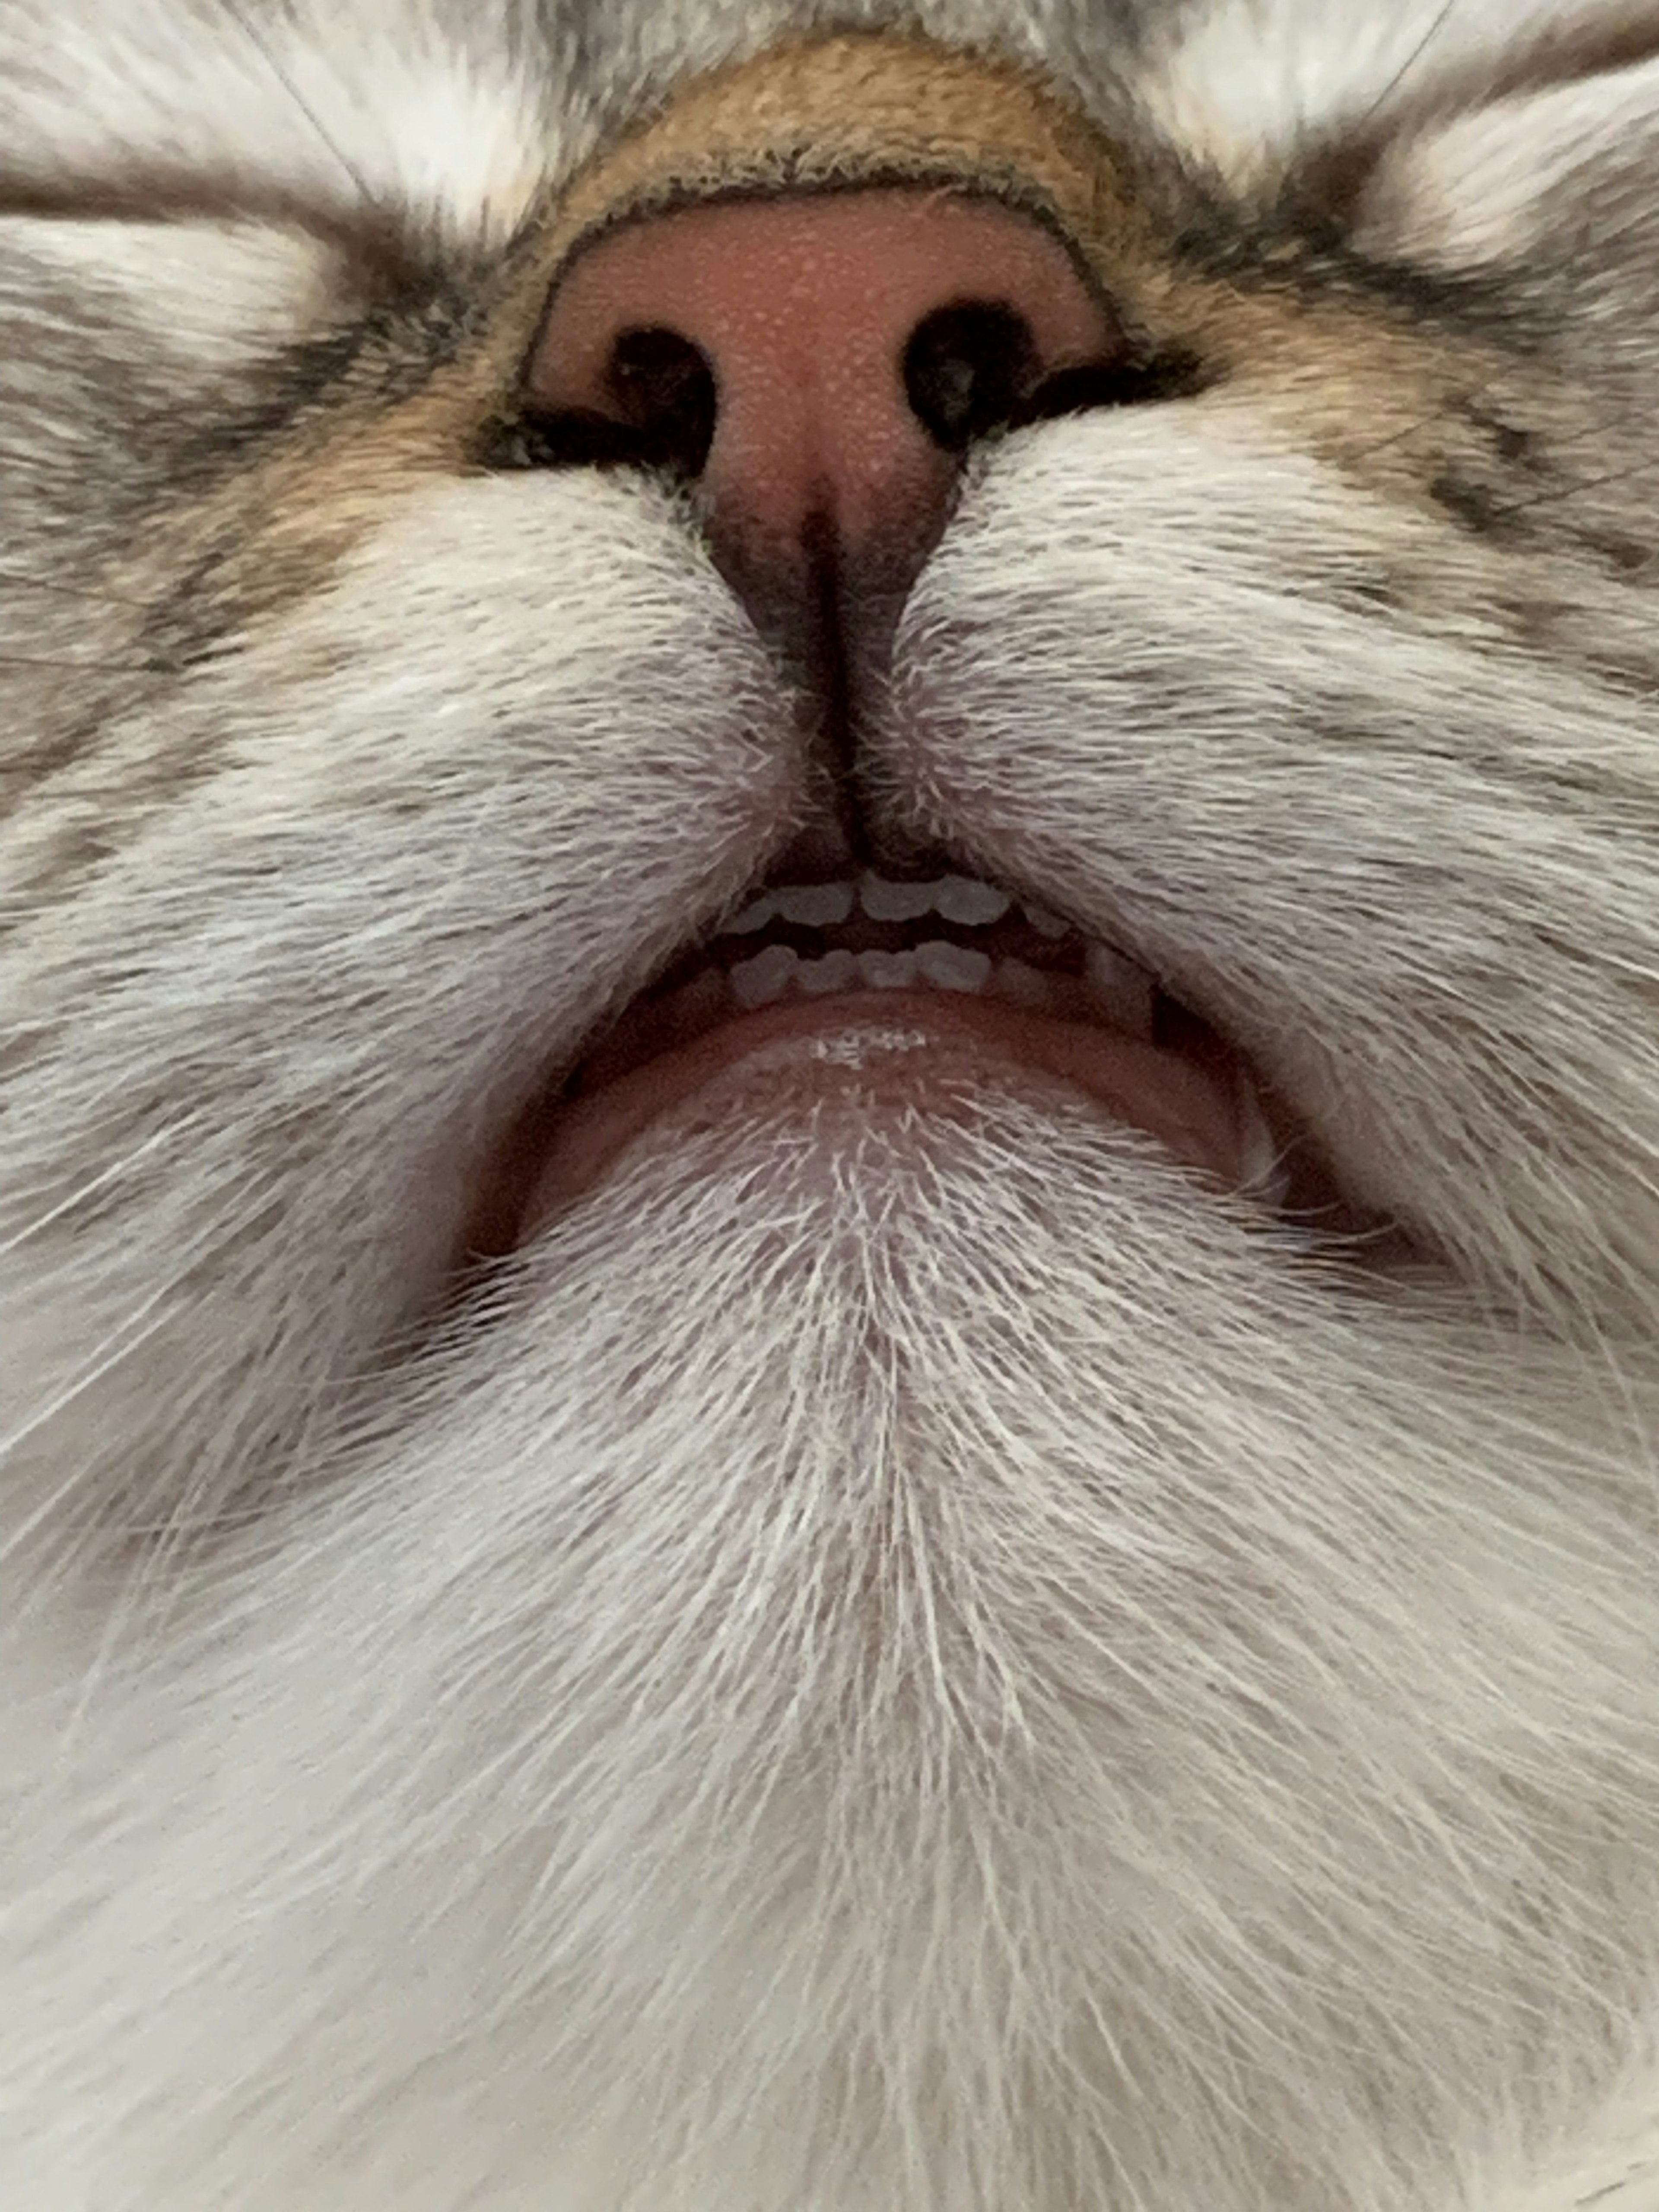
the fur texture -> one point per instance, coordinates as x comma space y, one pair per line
882, 1663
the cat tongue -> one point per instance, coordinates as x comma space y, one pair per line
906, 1048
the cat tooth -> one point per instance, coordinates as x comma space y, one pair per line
757, 982
1123, 991
755, 915
883, 900
1045, 923
953, 967
1021, 984
815, 905
972, 904
836, 971
887, 971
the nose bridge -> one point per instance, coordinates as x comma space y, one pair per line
804, 308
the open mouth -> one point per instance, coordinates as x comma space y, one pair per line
870, 967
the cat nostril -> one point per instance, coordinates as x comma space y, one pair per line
968, 371
818, 363
663, 386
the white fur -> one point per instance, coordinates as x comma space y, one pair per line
1242, 85
891, 1660
1470, 191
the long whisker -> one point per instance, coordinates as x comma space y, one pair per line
132, 1330
1422, 423
1409, 64
33, 583
110, 1172
1604, 426
256, 37
1558, 493
84, 667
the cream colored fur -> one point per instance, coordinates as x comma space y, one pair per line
928, 1666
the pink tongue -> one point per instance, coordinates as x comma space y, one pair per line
899, 1043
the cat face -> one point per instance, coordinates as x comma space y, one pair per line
828, 1347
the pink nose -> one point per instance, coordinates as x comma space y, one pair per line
818, 364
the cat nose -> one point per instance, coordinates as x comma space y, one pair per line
818, 364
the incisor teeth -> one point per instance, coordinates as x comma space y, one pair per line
755, 915
836, 971
887, 971
883, 900
1124, 992
1022, 985
963, 900
814, 906
756, 982
971, 904
953, 967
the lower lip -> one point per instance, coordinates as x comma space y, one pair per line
898, 1044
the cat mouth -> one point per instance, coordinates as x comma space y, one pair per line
893, 979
